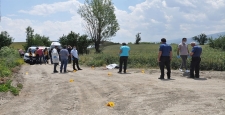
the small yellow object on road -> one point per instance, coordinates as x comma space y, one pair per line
110, 104
109, 74
26, 73
143, 71
74, 70
71, 80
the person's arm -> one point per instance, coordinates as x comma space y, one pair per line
171, 55
178, 49
192, 52
159, 55
120, 51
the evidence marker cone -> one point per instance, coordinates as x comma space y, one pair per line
74, 70
26, 73
71, 80
110, 104
109, 73
92, 67
143, 71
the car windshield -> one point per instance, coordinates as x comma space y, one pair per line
32, 50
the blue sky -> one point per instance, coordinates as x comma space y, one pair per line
155, 19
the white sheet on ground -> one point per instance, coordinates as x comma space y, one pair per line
111, 66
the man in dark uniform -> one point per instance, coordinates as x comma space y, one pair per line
164, 58
195, 60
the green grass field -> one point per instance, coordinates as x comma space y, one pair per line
145, 56
17, 45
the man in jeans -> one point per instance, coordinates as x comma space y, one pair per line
164, 58
124, 53
195, 60
64, 59
183, 52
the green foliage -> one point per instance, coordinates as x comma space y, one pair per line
101, 22
201, 39
35, 40
138, 38
8, 87
218, 43
5, 39
73, 39
145, 56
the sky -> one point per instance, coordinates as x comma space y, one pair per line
154, 19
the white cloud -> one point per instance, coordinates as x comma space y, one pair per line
46, 9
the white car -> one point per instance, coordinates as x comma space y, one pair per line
26, 55
33, 49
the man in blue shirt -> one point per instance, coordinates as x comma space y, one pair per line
164, 58
124, 53
64, 59
195, 60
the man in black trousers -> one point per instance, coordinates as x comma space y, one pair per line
74, 56
164, 58
195, 60
124, 53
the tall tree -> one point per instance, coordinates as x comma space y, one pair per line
101, 22
138, 38
35, 40
29, 38
201, 39
5, 39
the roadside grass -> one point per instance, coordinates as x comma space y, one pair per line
9, 59
18, 45
145, 56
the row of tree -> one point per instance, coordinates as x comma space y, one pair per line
74, 39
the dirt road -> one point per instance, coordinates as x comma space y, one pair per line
134, 93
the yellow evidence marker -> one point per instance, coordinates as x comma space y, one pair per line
143, 71
109, 73
26, 73
71, 80
74, 70
110, 104
92, 67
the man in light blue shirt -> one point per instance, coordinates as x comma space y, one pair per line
124, 53
74, 56
64, 59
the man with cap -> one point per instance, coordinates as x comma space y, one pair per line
164, 58
124, 53
195, 60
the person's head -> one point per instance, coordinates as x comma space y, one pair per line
124, 44
193, 44
69, 46
37, 48
74, 47
56, 47
64, 47
163, 40
184, 40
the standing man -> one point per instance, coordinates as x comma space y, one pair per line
55, 58
183, 52
124, 53
64, 58
195, 60
74, 56
164, 58
69, 57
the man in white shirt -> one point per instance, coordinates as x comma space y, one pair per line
75, 58
55, 58
183, 52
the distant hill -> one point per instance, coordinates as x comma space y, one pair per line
216, 35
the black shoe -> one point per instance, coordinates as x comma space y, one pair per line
79, 69
160, 78
119, 72
60, 71
65, 71
55, 71
124, 72
168, 77
191, 77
